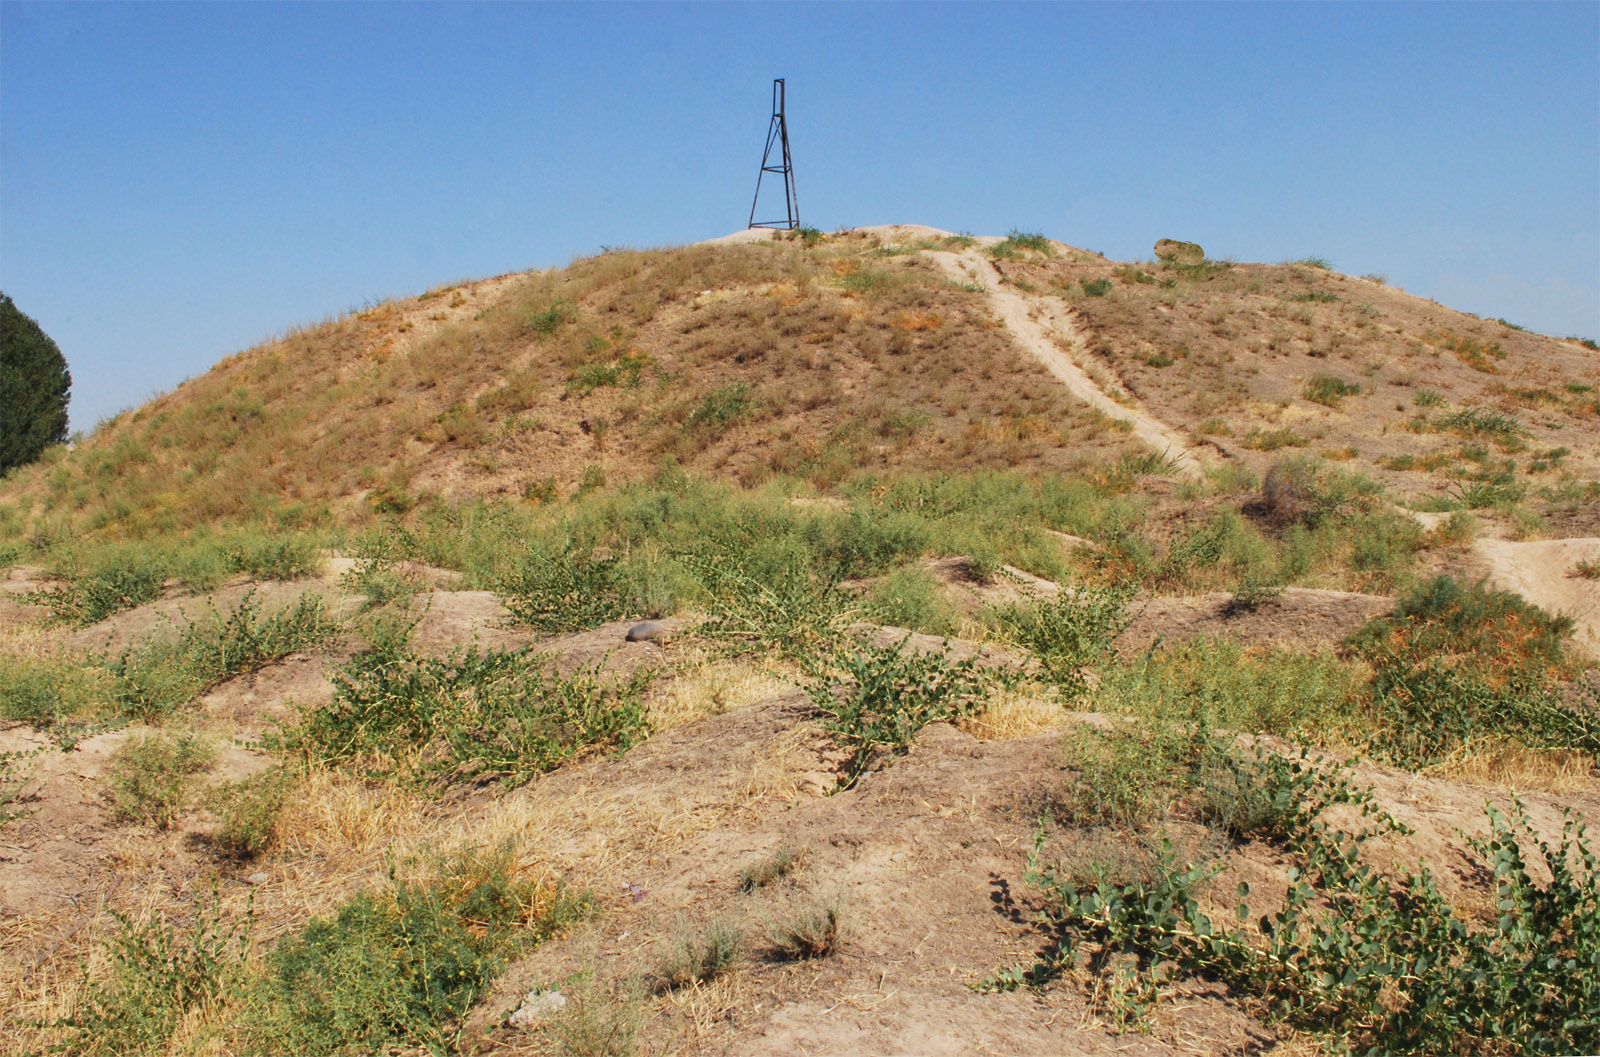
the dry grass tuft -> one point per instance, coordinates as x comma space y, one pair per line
1013, 714
1500, 764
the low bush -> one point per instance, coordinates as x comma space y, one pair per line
696, 956
152, 776
496, 715
570, 591
159, 973
1069, 632
809, 930
1371, 963
765, 871
1327, 390
154, 679
876, 698
401, 967
247, 813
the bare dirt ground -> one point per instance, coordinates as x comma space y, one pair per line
1549, 573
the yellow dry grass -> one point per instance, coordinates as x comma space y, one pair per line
1013, 714
1505, 765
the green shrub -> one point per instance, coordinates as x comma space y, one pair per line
1374, 965
1096, 287
152, 776
156, 678
1069, 632
624, 371
1443, 622
1272, 439
1327, 390
1017, 242
910, 598
402, 967
1482, 422
496, 715
158, 974
569, 591
721, 408
106, 581
877, 698
1220, 683
247, 813
546, 321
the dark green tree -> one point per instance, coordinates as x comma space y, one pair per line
34, 386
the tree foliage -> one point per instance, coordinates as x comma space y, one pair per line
34, 387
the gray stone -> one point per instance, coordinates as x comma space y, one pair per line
648, 631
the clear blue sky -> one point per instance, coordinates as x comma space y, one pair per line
180, 181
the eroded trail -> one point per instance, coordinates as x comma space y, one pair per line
1042, 328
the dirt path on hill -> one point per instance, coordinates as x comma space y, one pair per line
1035, 336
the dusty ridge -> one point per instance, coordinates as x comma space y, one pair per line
1033, 336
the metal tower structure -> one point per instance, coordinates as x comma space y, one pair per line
777, 135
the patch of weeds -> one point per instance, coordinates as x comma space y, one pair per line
1272, 439
1017, 242
774, 867
1128, 775
1315, 296
159, 973
1327, 390
1427, 398
1482, 422
1376, 964
247, 813
1130, 274
50, 695
498, 715
1475, 354
721, 408
1305, 491
1215, 427
864, 281
877, 698
1069, 632
1314, 262
1446, 622
697, 956
810, 930
152, 776
158, 677
546, 321
910, 598
379, 574
621, 372
596, 1021
1096, 287
107, 583
570, 591
1221, 683
402, 966
787, 606
1586, 569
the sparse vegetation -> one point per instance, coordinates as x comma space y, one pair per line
697, 955
153, 775
1327, 390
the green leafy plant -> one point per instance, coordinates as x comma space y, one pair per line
1066, 633
496, 715
569, 591
1374, 965
877, 698
247, 813
404, 965
159, 972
